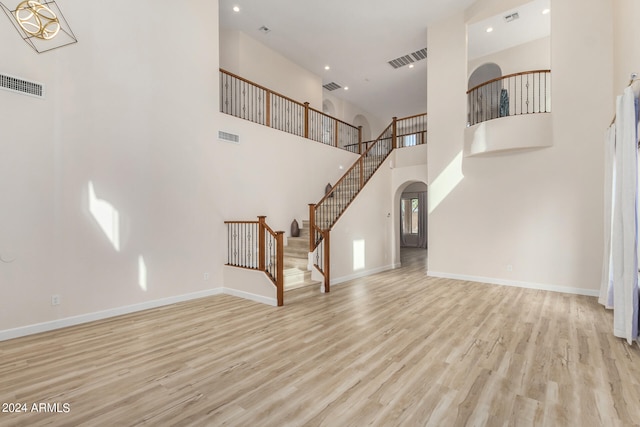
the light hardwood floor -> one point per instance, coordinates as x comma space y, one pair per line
396, 348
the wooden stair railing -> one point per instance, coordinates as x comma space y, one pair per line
254, 245
242, 98
323, 215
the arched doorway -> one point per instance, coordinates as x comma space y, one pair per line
411, 213
484, 104
361, 120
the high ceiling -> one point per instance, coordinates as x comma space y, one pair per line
356, 38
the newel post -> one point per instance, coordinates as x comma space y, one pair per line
394, 138
359, 139
261, 243
268, 109
280, 266
312, 226
327, 260
306, 120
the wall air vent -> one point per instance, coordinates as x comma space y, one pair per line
230, 137
409, 58
25, 87
511, 17
331, 86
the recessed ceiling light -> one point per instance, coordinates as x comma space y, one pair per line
410, 65
236, 9
544, 12
326, 67
346, 88
490, 29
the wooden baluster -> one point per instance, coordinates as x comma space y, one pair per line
262, 250
359, 139
312, 226
280, 273
306, 120
394, 134
335, 142
268, 109
327, 261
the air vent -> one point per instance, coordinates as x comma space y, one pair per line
22, 86
226, 136
264, 30
511, 17
420, 54
331, 86
409, 58
401, 62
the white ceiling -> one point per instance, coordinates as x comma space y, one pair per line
530, 25
356, 38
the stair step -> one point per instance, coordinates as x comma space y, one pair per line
295, 278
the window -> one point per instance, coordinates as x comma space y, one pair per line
410, 215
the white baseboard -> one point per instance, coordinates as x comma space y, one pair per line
516, 283
100, 315
360, 274
253, 297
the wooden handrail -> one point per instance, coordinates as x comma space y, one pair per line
352, 132
276, 275
353, 166
522, 73
331, 117
261, 87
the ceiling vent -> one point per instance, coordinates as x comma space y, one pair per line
420, 54
22, 86
511, 17
409, 58
331, 86
264, 30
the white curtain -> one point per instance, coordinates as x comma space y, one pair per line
422, 220
623, 256
606, 285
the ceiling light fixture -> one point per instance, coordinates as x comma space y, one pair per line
411, 65
546, 11
236, 9
490, 29
326, 67
41, 24
346, 88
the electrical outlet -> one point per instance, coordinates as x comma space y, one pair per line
206, 276
55, 299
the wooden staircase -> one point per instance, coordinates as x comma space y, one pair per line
296, 259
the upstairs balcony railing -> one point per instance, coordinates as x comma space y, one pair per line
242, 98
527, 92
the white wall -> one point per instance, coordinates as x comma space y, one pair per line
373, 219
347, 112
273, 173
252, 60
535, 55
361, 239
530, 218
133, 116
627, 49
